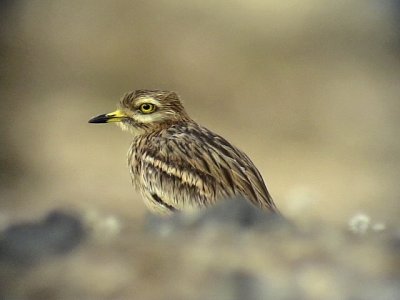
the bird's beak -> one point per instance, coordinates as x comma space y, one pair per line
115, 116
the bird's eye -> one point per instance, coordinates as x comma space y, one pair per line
147, 108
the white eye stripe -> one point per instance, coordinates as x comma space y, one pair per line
150, 118
147, 100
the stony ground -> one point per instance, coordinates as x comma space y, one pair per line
231, 251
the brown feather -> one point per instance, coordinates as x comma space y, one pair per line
177, 164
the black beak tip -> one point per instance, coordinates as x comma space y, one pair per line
99, 119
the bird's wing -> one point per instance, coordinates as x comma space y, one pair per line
209, 167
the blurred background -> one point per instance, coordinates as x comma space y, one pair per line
308, 89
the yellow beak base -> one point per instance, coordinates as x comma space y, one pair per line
115, 116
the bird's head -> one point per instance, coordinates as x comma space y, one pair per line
145, 110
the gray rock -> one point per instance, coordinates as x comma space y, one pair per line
28, 243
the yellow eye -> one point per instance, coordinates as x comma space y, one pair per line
147, 108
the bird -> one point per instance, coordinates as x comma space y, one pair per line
177, 164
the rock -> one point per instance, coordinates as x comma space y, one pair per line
28, 243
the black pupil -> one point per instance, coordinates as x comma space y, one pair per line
146, 106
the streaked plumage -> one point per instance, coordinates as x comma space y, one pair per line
176, 163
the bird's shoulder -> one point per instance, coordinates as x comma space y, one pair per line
192, 146
191, 141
